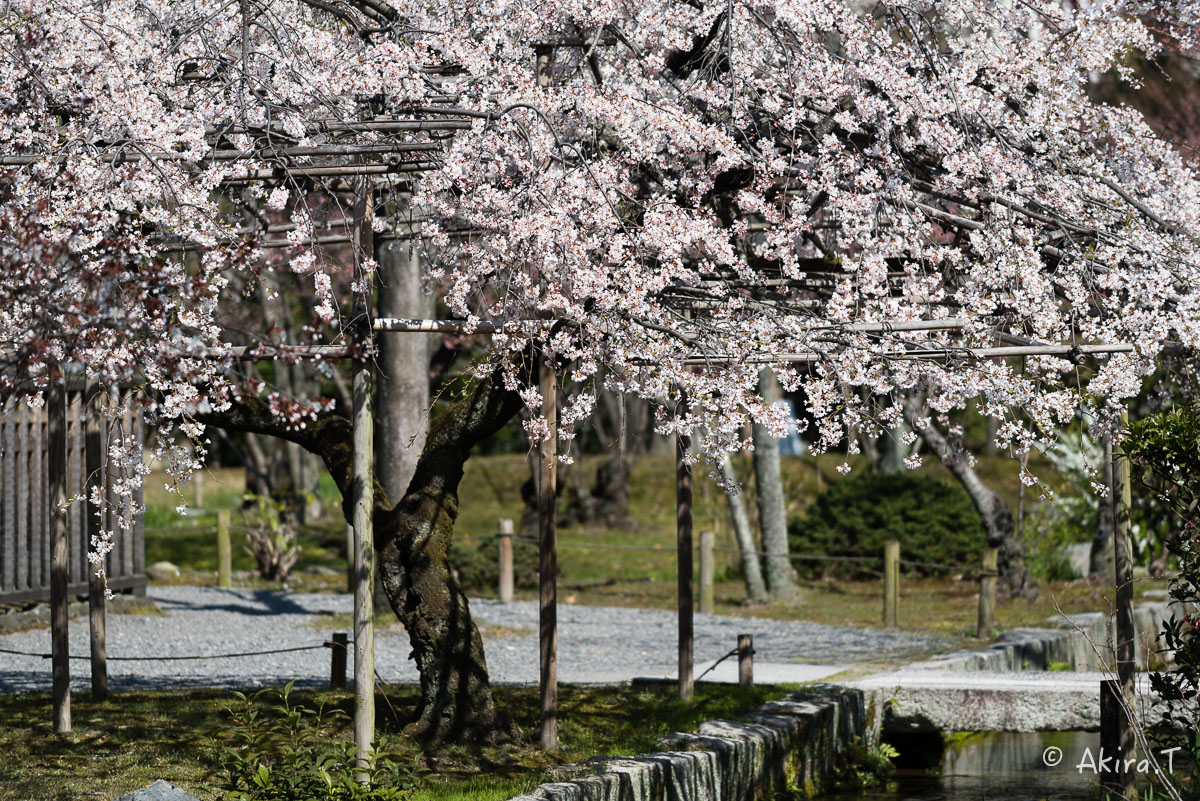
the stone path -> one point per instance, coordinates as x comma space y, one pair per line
596, 644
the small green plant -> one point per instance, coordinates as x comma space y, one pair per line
864, 766
286, 752
270, 540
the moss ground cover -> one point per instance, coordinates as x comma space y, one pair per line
132, 739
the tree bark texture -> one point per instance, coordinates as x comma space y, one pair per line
403, 394
1100, 558
412, 540
756, 590
772, 509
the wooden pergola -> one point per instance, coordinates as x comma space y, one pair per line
384, 167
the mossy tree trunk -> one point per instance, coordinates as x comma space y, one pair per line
412, 540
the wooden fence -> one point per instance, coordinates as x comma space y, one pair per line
25, 503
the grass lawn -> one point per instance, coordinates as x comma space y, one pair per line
132, 739
634, 567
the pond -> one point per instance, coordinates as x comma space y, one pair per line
992, 766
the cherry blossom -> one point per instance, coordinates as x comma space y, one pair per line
867, 199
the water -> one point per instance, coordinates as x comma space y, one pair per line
991, 766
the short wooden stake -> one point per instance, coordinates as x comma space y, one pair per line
987, 592
337, 659
198, 489
224, 550
1115, 743
891, 582
706, 572
56, 434
683, 552
746, 660
504, 536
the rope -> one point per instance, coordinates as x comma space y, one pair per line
937, 566
713, 666
813, 557
326, 644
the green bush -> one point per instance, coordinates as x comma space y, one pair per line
478, 568
1164, 452
933, 521
284, 752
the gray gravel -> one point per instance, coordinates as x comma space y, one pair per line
596, 644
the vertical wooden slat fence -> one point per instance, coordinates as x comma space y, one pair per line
25, 506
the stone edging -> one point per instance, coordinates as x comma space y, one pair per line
39, 615
1039, 649
794, 743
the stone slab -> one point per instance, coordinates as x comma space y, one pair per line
159, 791
976, 700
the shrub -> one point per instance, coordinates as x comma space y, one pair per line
270, 540
933, 521
1164, 452
284, 752
478, 568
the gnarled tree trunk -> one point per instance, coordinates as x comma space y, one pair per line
412, 539
772, 508
997, 516
756, 590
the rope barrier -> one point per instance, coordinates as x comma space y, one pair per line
938, 566
325, 644
713, 666
815, 557
213, 527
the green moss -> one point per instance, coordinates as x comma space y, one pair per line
132, 739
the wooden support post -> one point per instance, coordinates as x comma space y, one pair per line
349, 558
198, 489
224, 550
987, 592
363, 497
1121, 728
96, 471
1114, 786
504, 537
56, 434
337, 659
706, 572
548, 561
683, 551
891, 583
746, 660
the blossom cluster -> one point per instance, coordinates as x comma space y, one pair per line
863, 200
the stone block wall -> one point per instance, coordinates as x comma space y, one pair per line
793, 743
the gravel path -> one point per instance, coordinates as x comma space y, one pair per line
596, 644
